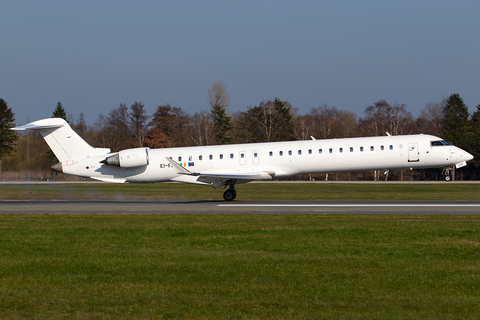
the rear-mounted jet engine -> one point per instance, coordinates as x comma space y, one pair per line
129, 158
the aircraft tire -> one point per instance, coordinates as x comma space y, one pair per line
229, 195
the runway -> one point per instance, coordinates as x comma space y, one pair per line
251, 207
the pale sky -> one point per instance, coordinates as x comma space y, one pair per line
93, 55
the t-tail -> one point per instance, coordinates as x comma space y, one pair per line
65, 143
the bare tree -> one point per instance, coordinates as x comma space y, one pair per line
304, 125
218, 95
270, 121
201, 129
267, 120
100, 128
381, 118
325, 123
431, 118
348, 124
138, 122
117, 130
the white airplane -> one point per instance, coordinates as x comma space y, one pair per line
227, 165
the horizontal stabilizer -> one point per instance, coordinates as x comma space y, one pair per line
35, 126
65, 143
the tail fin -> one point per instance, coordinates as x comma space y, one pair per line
65, 143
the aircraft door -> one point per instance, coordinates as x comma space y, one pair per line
413, 152
256, 157
243, 159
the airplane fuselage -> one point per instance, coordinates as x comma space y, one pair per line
279, 159
227, 165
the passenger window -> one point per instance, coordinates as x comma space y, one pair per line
330, 150
179, 159
391, 147
309, 151
270, 154
255, 155
372, 148
382, 148
231, 155
242, 155
400, 147
351, 149
320, 151
299, 152
210, 157
280, 153
341, 150
200, 157
289, 152
221, 156
361, 149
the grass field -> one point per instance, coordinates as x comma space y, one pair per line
239, 266
252, 191
219, 266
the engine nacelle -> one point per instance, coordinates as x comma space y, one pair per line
129, 158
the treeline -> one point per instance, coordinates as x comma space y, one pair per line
273, 120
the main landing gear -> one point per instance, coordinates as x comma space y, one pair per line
230, 193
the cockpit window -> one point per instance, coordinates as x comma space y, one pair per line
440, 143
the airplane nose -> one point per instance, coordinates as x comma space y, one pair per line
468, 156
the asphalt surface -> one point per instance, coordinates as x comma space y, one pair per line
252, 207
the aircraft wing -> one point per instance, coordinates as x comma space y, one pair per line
109, 180
218, 180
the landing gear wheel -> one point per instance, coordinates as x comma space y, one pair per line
229, 194
448, 172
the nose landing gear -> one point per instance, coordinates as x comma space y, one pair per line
448, 173
230, 193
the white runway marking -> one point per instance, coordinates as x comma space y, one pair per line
350, 205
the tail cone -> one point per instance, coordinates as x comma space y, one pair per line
57, 167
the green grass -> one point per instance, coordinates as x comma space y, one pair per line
260, 191
239, 266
